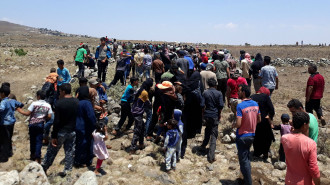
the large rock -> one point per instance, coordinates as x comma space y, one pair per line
280, 165
148, 161
9, 178
87, 178
33, 174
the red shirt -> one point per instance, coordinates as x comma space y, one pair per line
233, 84
317, 81
301, 159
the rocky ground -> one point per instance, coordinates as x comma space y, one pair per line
26, 74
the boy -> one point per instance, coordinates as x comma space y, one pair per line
171, 140
285, 128
177, 117
7, 122
125, 104
101, 90
39, 111
63, 75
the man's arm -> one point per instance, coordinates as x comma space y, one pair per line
259, 118
276, 87
228, 73
25, 113
309, 93
238, 122
228, 95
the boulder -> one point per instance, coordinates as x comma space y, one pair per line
125, 144
9, 178
148, 161
33, 173
87, 178
322, 158
280, 165
226, 139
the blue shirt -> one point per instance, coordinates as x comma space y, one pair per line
191, 62
268, 74
171, 139
63, 74
7, 111
147, 60
128, 59
127, 96
102, 94
177, 116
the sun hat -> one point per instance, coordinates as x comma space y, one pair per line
165, 85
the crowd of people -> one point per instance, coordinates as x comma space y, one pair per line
182, 89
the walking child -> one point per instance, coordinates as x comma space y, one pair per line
99, 147
177, 117
170, 144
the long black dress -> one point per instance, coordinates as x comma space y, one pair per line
264, 134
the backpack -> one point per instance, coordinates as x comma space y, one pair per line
49, 89
121, 64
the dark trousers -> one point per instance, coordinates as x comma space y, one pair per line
125, 112
222, 86
271, 91
154, 120
6, 133
281, 153
118, 76
133, 69
139, 129
211, 131
248, 80
84, 148
81, 67
102, 70
314, 104
243, 147
158, 77
36, 135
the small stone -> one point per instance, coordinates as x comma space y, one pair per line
87, 178
125, 144
210, 167
33, 87
280, 165
322, 158
226, 139
232, 167
278, 173
148, 161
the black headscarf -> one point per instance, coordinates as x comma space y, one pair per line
194, 81
146, 85
83, 93
259, 57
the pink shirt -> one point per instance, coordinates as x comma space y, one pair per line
301, 159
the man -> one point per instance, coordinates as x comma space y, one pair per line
300, 153
158, 67
212, 115
222, 72
138, 59
245, 66
128, 58
295, 106
183, 63
120, 71
147, 62
208, 74
248, 115
63, 133
232, 90
254, 71
269, 76
79, 57
102, 55
63, 76
314, 92
188, 56
115, 48
125, 104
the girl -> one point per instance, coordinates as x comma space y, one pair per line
99, 147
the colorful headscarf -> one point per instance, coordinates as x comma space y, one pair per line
248, 58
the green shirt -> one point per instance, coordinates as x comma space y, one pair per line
80, 55
167, 75
313, 127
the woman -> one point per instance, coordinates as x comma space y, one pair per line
85, 125
192, 110
254, 71
264, 134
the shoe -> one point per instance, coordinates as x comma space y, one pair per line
212, 161
141, 147
114, 132
108, 146
323, 123
62, 174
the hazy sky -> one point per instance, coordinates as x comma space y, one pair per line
207, 21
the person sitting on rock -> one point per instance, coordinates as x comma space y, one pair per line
171, 140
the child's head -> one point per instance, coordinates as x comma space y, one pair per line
60, 64
99, 82
177, 114
83, 81
4, 91
5, 84
99, 126
285, 118
178, 89
171, 124
134, 81
52, 70
41, 95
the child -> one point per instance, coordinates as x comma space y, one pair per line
177, 117
138, 109
7, 122
170, 144
178, 92
101, 90
63, 75
285, 128
39, 111
99, 147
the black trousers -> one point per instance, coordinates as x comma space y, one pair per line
248, 80
158, 77
6, 150
154, 119
118, 76
222, 86
139, 129
125, 112
81, 67
211, 134
102, 70
314, 104
282, 154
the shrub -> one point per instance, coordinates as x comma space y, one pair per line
20, 52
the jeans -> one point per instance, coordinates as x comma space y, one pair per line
170, 157
314, 104
118, 76
139, 71
149, 116
178, 147
102, 70
125, 112
36, 134
139, 129
67, 139
222, 86
81, 71
48, 125
243, 146
127, 71
211, 131
147, 71
6, 133
154, 120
